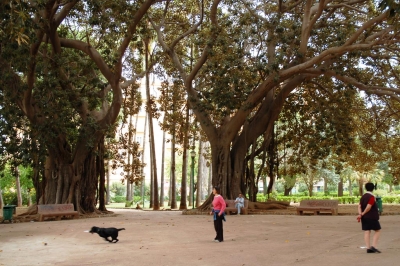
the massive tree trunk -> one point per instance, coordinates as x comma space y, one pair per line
229, 164
74, 179
261, 124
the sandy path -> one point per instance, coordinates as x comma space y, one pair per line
169, 238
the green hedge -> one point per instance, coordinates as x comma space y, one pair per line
11, 198
118, 199
342, 200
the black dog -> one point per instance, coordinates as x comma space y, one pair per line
107, 232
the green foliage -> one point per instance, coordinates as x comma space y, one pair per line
391, 199
342, 200
118, 189
8, 184
10, 197
118, 199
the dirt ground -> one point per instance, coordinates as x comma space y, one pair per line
278, 237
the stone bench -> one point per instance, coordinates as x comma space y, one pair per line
318, 206
230, 207
57, 211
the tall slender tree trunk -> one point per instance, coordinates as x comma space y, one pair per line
191, 178
162, 171
200, 178
183, 205
18, 187
325, 185
143, 153
128, 183
340, 187
287, 191
360, 186
154, 184
310, 190
350, 188
108, 182
173, 177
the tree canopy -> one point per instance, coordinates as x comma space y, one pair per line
326, 70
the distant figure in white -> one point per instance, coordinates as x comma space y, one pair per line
239, 202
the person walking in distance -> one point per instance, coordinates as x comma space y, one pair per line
218, 211
369, 215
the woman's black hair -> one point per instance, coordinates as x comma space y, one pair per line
370, 187
217, 189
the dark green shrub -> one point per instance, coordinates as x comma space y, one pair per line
10, 198
128, 203
118, 199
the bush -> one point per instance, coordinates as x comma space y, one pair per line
355, 191
390, 199
118, 199
261, 197
137, 199
10, 198
128, 204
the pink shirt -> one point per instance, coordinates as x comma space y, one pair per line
219, 203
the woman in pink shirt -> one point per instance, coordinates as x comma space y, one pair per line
218, 210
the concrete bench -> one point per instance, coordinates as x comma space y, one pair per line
318, 206
230, 207
57, 211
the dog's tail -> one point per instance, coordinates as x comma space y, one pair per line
121, 229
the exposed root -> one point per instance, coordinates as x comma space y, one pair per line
32, 210
268, 205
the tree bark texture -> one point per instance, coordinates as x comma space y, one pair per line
183, 203
173, 173
200, 176
162, 196
340, 187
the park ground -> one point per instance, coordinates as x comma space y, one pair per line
170, 238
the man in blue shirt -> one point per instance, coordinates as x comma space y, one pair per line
239, 203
